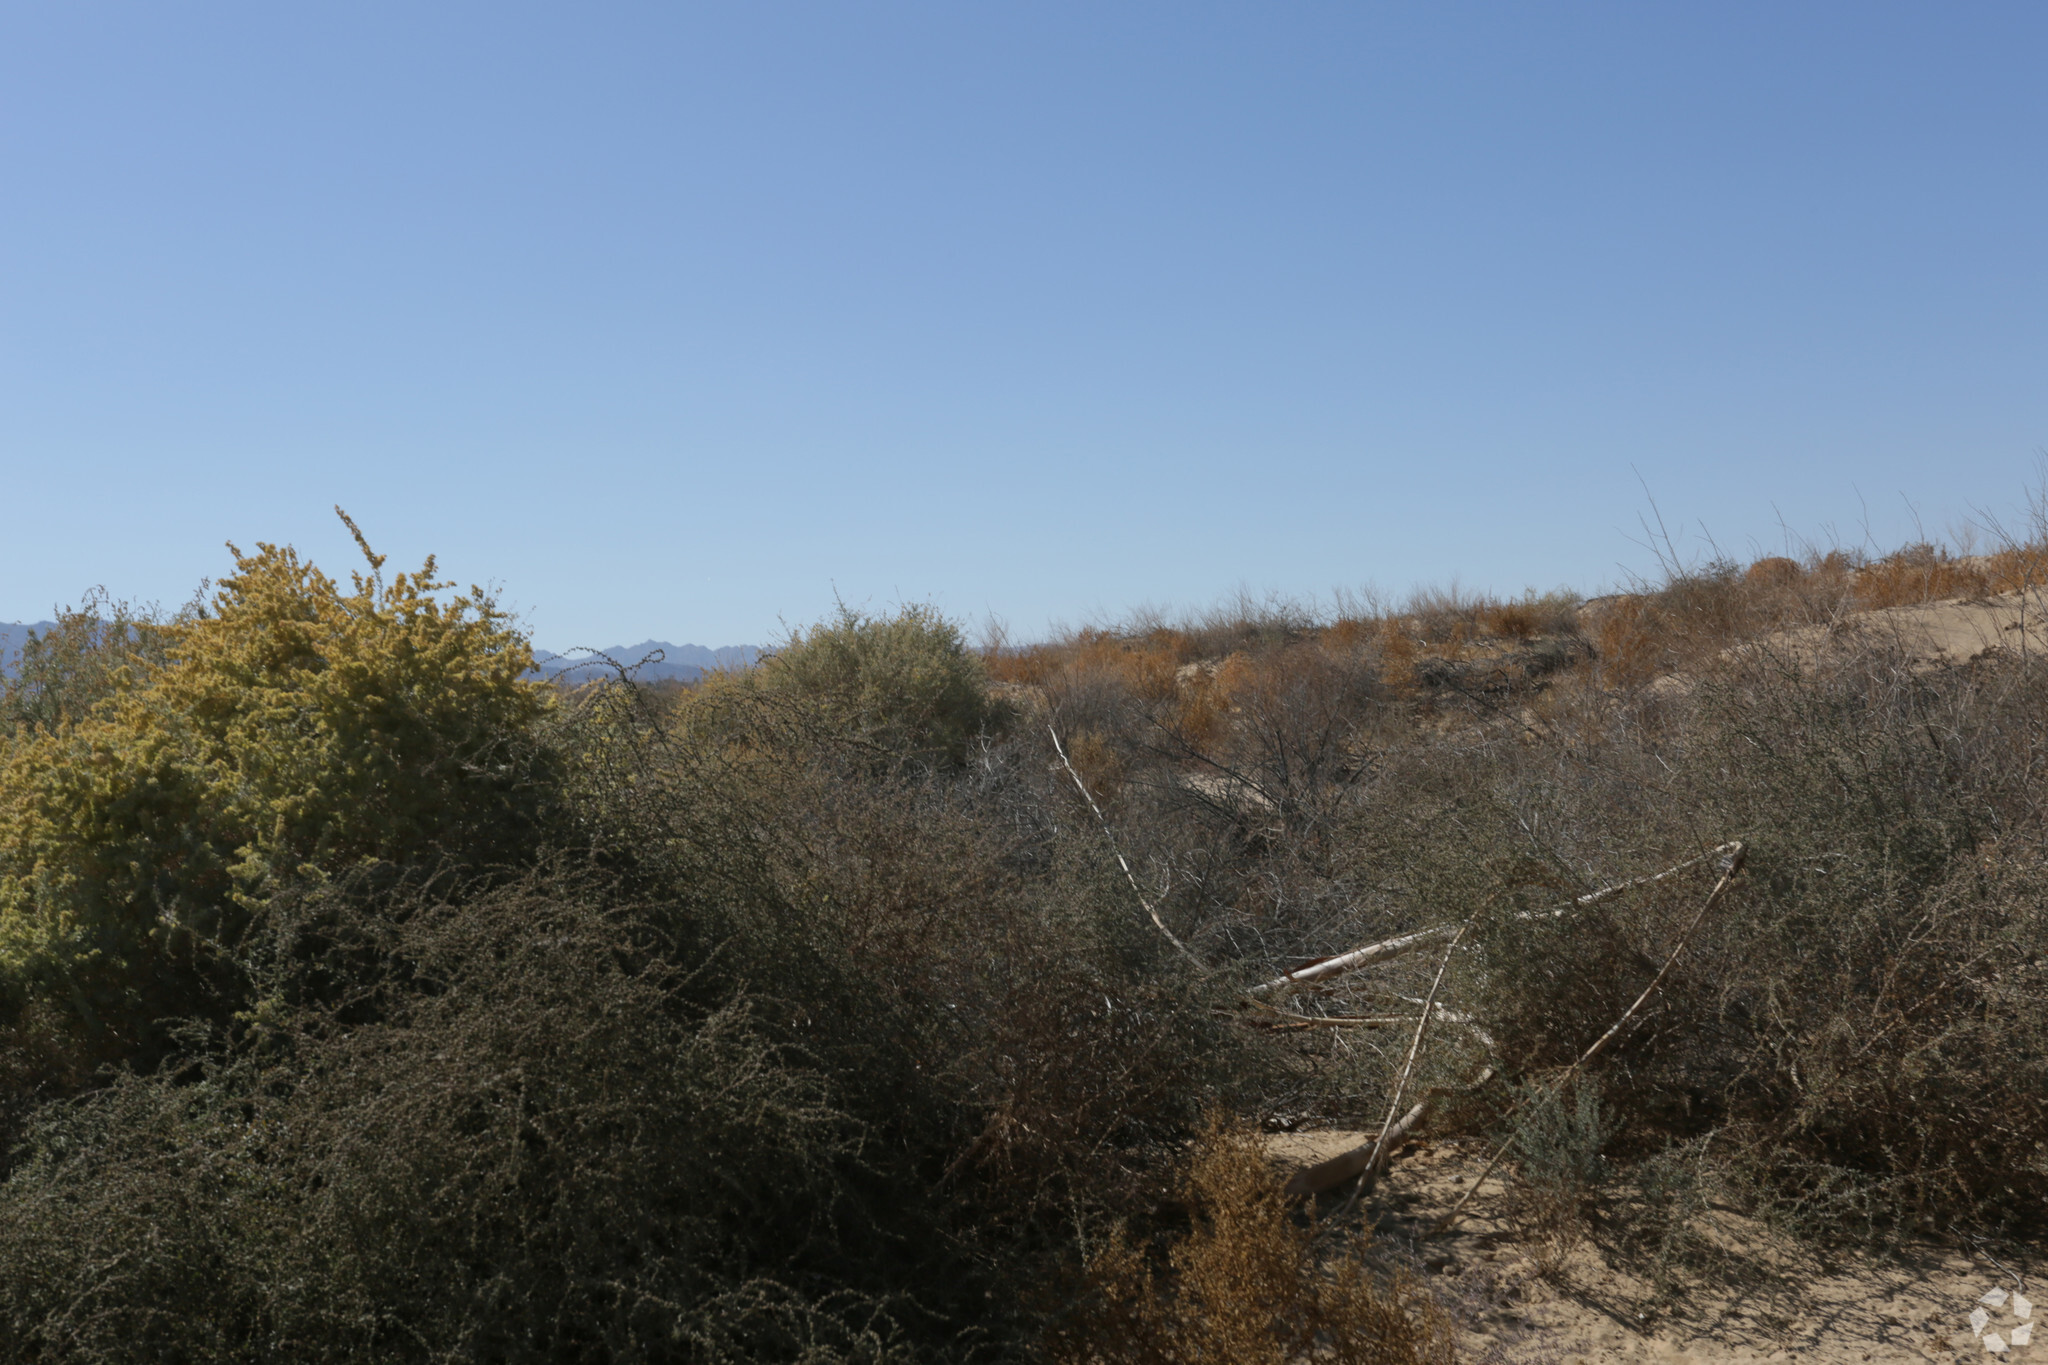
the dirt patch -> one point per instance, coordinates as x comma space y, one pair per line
1755, 1296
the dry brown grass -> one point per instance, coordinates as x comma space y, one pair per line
1199, 664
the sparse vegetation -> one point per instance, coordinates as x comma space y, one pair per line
362, 997
1560, 1167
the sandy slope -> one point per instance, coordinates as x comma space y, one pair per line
1767, 1299
1930, 634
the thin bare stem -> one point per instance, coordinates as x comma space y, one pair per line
1110, 835
1388, 949
1379, 1147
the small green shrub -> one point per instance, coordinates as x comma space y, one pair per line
905, 688
1559, 1168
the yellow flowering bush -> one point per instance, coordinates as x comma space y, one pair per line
288, 729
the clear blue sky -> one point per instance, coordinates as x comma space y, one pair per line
671, 320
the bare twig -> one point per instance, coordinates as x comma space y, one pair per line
1110, 835
1379, 1149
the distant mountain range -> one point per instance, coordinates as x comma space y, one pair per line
649, 661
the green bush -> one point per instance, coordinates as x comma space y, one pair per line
905, 688
291, 729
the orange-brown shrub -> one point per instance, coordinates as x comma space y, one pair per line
1203, 713
1247, 1284
1028, 667
1515, 620
1348, 632
2019, 568
1919, 573
1397, 654
1627, 641
1145, 664
1098, 763
1773, 571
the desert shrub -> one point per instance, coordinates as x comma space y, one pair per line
1850, 1018
1021, 977
1876, 963
906, 687
957, 941
63, 672
1773, 571
1246, 1282
1919, 573
1533, 614
1297, 740
1664, 1227
497, 1126
2020, 567
948, 945
1695, 613
1558, 1137
289, 729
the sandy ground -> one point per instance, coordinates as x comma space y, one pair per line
1767, 1300
1931, 634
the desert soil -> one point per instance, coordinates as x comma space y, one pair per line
1767, 1298
1929, 634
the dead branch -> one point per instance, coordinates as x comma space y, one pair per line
1324, 968
1347, 1165
1110, 835
1280, 1020
1734, 865
1377, 1163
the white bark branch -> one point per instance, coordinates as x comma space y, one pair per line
1110, 835
1388, 949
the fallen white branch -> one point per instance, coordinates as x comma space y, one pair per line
1282, 1020
1388, 949
1358, 957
